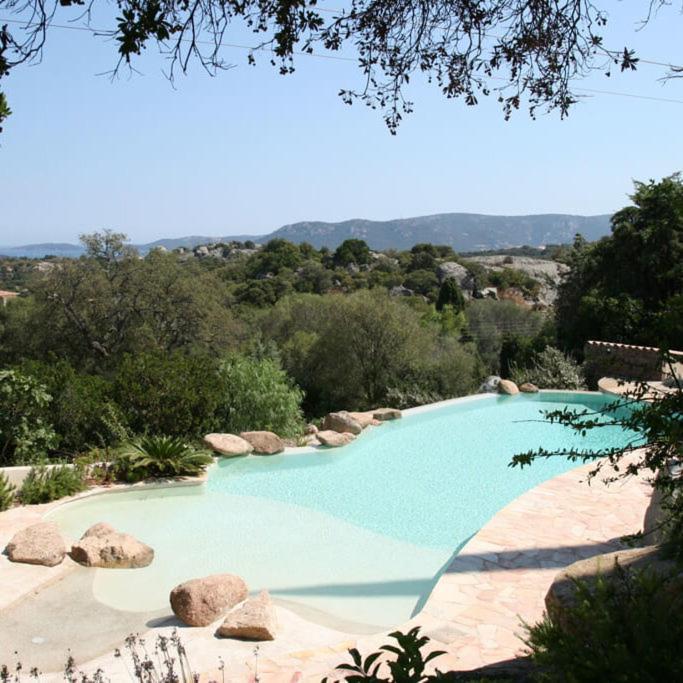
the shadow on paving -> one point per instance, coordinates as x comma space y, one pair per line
45, 625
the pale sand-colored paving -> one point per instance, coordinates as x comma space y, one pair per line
474, 613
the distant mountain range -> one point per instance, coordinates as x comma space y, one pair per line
462, 231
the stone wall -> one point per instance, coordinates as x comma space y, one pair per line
623, 361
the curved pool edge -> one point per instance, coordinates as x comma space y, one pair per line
474, 612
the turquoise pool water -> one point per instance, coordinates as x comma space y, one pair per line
353, 537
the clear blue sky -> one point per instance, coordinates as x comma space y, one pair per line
249, 150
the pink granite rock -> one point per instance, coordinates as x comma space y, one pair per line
199, 602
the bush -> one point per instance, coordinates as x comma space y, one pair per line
7, 491
82, 411
25, 435
626, 628
160, 456
44, 484
550, 369
258, 394
173, 394
408, 666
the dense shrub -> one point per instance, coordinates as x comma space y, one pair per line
550, 369
160, 456
173, 394
7, 492
25, 435
82, 411
626, 628
44, 484
258, 394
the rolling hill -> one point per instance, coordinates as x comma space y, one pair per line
462, 231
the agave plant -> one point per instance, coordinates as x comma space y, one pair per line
160, 456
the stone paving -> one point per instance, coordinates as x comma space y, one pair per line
498, 580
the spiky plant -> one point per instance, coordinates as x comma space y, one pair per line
6, 492
160, 456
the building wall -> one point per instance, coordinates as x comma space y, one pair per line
623, 361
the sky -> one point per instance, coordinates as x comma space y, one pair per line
249, 150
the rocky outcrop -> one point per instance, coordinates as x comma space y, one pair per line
400, 290
562, 594
333, 439
489, 385
528, 388
342, 422
310, 429
385, 414
507, 386
253, 620
228, 444
455, 271
37, 544
105, 547
200, 602
264, 443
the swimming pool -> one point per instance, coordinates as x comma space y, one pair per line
354, 537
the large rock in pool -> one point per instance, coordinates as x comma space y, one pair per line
105, 547
384, 414
228, 444
254, 620
342, 422
332, 439
264, 443
37, 544
507, 386
562, 594
199, 602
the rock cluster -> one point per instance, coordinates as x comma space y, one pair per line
105, 547
39, 543
199, 602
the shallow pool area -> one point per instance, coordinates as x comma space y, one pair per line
354, 537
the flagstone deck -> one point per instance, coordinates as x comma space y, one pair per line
498, 580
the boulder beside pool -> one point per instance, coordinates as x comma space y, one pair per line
39, 543
200, 602
508, 387
342, 422
253, 620
333, 439
528, 388
104, 547
385, 414
228, 444
264, 443
365, 419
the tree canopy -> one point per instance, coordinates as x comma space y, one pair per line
524, 53
628, 287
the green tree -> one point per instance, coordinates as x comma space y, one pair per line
450, 295
110, 302
620, 288
352, 251
170, 394
25, 435
258, 394
276, 256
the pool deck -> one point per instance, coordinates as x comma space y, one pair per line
474, 613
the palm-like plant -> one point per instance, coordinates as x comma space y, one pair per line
160, 456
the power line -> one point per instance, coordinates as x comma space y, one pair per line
340, 58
